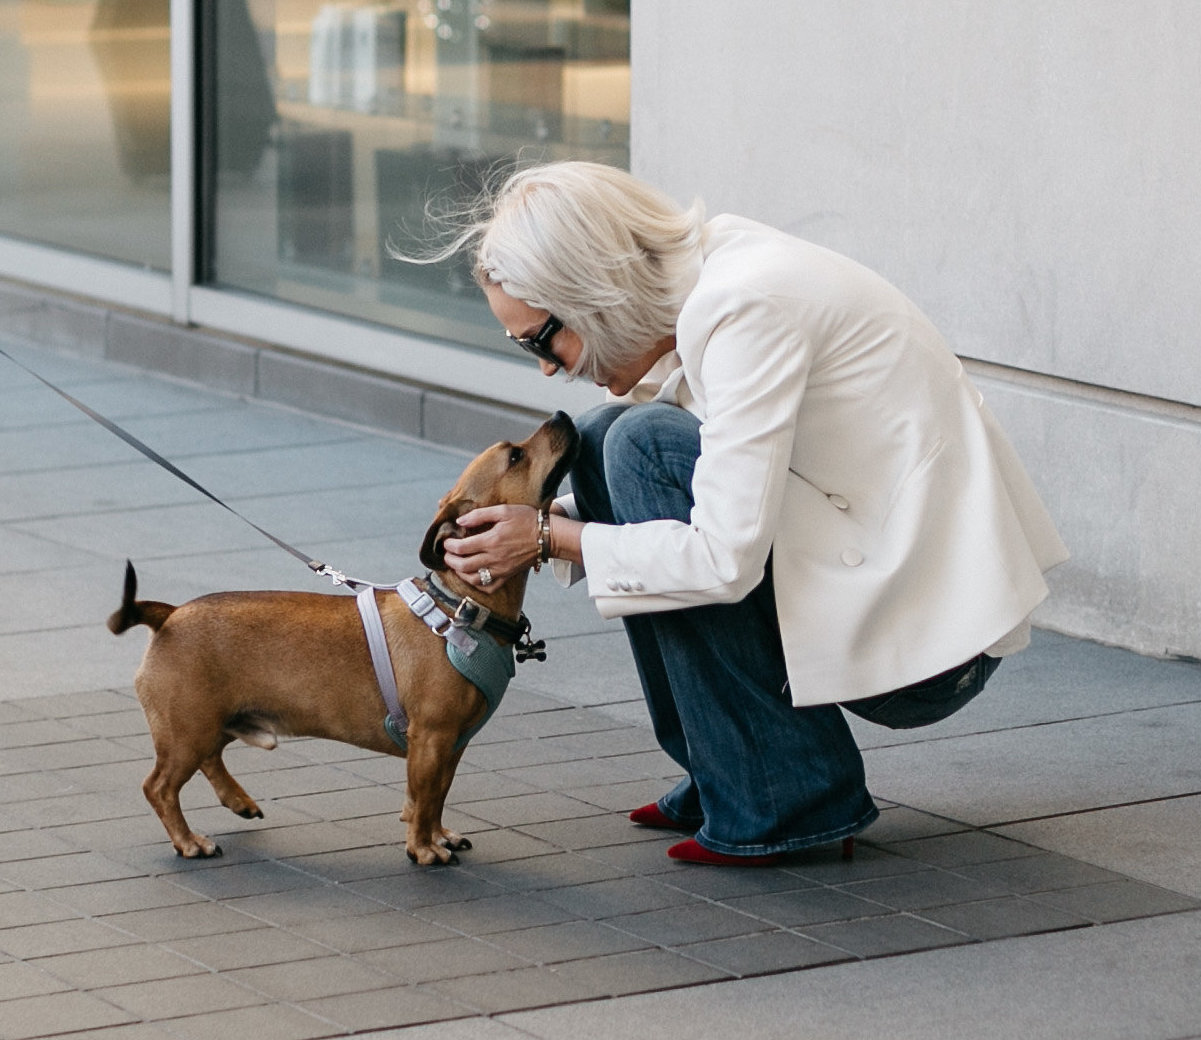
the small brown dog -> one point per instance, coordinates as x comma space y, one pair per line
258, 665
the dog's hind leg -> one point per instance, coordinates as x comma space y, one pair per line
228, 790
161, 789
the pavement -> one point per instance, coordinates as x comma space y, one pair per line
1036, 870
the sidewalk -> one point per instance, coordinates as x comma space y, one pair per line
1036, 871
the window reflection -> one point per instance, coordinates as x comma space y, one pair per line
85, 126
378, 106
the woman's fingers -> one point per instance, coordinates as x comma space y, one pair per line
502, 540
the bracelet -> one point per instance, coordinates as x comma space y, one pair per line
543, 541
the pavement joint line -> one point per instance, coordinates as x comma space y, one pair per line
1044, 723
1085, 811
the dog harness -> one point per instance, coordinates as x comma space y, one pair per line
482, 661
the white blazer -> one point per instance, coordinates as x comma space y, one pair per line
841, 435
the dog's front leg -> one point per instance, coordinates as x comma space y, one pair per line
431, 768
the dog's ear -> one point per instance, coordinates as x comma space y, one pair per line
445, 526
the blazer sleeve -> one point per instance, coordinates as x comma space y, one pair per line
747, 361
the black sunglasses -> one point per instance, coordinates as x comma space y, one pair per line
539, 343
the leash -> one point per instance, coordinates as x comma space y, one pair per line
316, 566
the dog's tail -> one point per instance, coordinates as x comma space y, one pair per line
132, 613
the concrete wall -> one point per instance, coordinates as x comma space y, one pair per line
1028, 173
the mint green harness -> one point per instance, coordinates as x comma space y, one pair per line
488, 668
480, 659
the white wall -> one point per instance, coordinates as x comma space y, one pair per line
1030, 173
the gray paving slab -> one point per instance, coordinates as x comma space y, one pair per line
62, 445
1052, 823
1157, 841
1125, 982
37, 495
82, 658
1072, 766
1056, 679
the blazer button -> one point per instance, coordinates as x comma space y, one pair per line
624, 586
838, 502
852, 557
612, 585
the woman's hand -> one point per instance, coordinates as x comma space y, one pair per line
501, 541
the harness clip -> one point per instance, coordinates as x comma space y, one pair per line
325, 571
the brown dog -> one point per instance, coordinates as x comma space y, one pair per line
258, 665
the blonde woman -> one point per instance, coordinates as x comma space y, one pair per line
794, 497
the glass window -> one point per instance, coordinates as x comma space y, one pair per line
84, 126
331, 124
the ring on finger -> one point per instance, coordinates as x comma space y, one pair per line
485, 576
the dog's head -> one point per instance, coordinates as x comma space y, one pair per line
527, 474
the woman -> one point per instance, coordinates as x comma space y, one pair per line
794, 498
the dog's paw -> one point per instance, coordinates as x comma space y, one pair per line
432, 856
250, 814
201, 848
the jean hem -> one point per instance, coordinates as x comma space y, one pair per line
792, 844
695, 823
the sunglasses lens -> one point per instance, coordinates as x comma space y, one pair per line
539, 344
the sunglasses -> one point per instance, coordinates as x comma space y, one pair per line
539, 343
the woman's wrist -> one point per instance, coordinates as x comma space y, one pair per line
563, 537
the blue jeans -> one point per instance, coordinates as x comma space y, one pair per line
761, 775
930, 701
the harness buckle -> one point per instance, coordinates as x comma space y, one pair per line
470, 614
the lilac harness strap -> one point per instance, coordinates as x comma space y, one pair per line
377, 643
425, 608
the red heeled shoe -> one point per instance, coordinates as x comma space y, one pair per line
651, 816
692, 851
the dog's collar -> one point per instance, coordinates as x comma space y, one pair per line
465, 612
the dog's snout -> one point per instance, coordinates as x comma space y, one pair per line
565, 442
560, 421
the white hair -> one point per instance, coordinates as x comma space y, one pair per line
609, 255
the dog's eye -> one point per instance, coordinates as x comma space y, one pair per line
515, 456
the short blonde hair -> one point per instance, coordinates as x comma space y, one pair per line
609, 255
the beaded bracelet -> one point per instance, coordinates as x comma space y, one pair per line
543, 541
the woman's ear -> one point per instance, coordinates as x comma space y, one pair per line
445, 525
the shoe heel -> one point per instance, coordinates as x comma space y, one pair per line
848, 849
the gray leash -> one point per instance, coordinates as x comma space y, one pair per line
316, 566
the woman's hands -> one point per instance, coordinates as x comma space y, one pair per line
503, 540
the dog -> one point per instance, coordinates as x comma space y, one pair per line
256, 666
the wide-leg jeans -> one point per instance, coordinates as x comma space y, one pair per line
761, 775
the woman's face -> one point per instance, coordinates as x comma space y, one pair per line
522, 321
